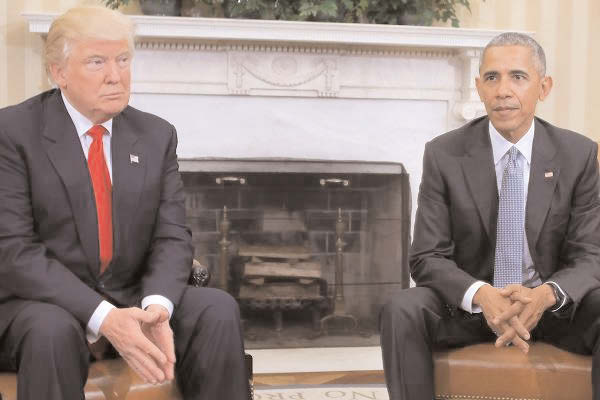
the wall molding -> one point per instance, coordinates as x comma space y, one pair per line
175, 28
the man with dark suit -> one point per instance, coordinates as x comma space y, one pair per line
93, 242
507, 234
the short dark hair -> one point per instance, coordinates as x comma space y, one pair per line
519, 39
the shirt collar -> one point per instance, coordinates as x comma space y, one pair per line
500, 145
82, 124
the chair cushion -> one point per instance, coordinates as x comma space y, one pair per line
483, 371
108, 379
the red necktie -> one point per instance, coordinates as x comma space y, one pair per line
103, 195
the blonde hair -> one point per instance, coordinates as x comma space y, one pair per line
85, 22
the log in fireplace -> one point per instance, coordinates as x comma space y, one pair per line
310, 249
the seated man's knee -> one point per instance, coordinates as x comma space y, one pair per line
220, 305
407, 305
46, 327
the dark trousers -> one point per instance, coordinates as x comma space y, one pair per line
416, 323
47, 347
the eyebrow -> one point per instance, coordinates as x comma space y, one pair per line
511, 72
518, 72
490, 73
125, 53
95, 56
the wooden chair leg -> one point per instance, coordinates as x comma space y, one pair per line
249, 374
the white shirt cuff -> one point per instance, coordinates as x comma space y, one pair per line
467, 301
93, 326
160, 300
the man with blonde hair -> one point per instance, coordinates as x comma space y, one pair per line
93, 243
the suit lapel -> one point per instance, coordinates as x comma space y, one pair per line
129, 170
478, 167
542, 182
64, 151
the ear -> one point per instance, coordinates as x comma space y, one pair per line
58, 72
546, 87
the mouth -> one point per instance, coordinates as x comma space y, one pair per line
504, 108
113, 96
504, 111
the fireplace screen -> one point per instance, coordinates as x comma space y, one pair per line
310, 249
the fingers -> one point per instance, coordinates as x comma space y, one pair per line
520, 297
516, 293
518, 326
146, 359
161, 336
124, 330
144, 366
507, 314
164, 340
147, 317
521, 344
163, 316
508, 336
508, 290
514, 319
169, 371
169, 348
148, 348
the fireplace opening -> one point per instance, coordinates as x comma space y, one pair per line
310, 249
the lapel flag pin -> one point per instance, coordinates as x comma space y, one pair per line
548, 174
133, 159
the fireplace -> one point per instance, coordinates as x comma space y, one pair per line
249, 98
273, 232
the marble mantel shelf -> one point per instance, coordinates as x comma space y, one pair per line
302, 90
293, 32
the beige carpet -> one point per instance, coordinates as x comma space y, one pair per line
322, 392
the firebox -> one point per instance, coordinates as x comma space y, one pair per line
311, 249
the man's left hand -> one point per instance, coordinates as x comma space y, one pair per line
161, 334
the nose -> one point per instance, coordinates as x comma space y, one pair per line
112, 72
503, 89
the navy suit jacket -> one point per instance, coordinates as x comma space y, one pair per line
455, 227
48, 225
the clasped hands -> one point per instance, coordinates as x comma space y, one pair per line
144, 339
513, 312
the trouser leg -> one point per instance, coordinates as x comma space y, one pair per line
413, 325
47, 348
209, 346
580, 335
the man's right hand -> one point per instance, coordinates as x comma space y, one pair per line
122, 328
501, 314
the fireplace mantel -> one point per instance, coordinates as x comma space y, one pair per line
177, 28
306, 59
237, 89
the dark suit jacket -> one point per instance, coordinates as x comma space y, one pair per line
48, 225
455, 227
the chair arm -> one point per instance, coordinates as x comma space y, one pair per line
200, 276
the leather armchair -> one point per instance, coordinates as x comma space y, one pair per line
114, 380
483, 371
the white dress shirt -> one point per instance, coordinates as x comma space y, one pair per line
500, 147
82, 125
